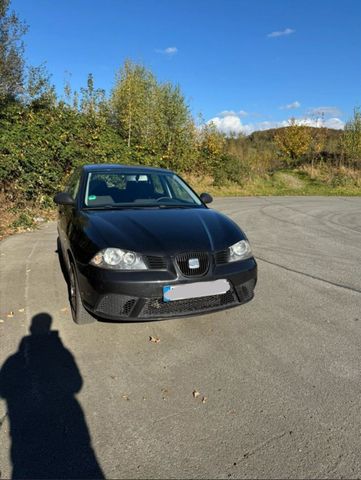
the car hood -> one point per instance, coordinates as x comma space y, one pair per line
161, 231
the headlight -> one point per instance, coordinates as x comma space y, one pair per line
240, 251
117, 259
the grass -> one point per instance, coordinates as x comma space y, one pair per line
301, 181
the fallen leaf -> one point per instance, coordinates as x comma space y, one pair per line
28, 270
204, 399
10, 315
1, 321
195, 394
154, 339
21, 310
125, 397
64, 309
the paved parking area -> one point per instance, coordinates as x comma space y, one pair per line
281, 375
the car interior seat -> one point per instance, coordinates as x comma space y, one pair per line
139, 191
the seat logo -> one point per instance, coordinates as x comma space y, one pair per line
193, 263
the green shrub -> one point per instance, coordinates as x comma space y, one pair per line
24, 220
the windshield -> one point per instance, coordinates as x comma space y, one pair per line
118, 189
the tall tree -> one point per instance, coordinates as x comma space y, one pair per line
11, 53
174, 131
132, 101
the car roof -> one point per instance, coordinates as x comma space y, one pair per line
123, 168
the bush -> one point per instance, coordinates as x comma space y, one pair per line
39, 150
24, 220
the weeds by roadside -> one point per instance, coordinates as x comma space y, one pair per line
20, 219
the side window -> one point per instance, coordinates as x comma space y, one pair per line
178, 191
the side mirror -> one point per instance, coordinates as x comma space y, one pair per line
206, 198
64, 198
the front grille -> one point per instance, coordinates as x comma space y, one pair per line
156, 307
183, 264
221, 257
115, 305
155, 263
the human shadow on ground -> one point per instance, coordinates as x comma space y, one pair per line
49, 434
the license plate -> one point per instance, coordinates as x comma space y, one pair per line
195, 290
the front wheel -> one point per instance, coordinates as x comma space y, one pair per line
80, 315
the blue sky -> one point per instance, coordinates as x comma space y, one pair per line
246, 64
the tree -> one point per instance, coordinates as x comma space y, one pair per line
153, 118
352, 138
11, 53
211, 147
174, 131
92, 99
39, 92
132, 101
293, 141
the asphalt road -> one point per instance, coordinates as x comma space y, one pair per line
281, 374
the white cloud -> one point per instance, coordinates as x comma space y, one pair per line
335, 122
232, 113
228, 113
281, 33
325, 111
291, 106
229, 124
232, 124
170, 51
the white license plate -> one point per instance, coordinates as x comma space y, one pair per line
195, 290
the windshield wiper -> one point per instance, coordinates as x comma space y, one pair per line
178, 206
121, 207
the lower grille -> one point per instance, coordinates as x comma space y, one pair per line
115, 305
155, 307
183, 263
155, 263
221, 257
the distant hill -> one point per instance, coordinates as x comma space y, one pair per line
268, 135
263, 140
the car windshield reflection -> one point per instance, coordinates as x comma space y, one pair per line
117, 190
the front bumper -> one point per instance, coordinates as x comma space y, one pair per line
138, 296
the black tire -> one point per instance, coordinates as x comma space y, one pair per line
80, 315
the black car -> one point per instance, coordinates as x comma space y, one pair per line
139, 244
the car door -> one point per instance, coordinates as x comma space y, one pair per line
68, 212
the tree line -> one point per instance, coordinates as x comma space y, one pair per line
44, 136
